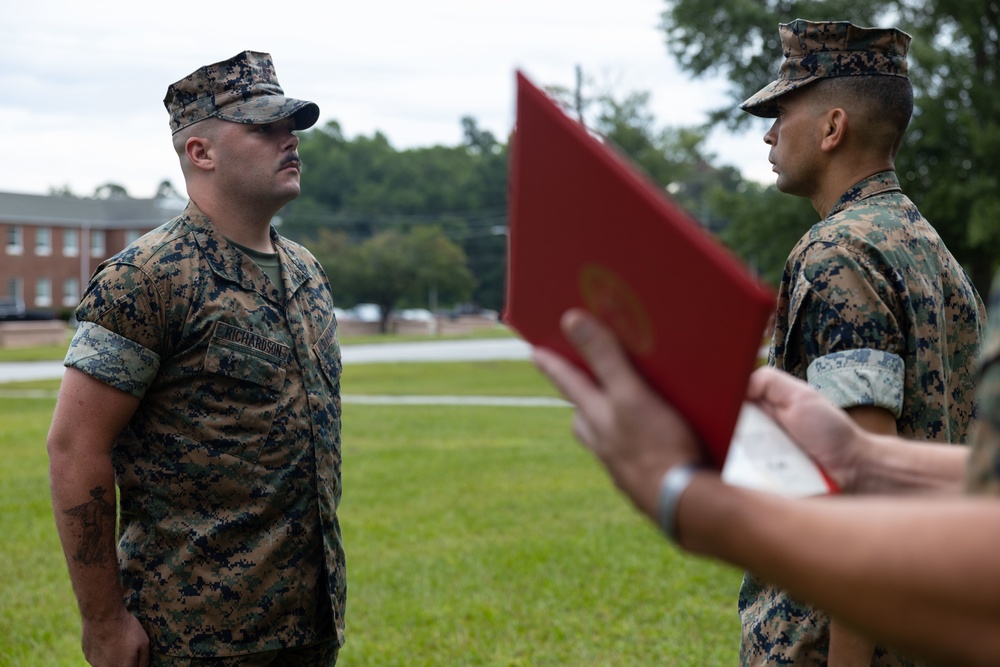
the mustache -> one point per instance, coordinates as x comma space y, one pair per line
291, 160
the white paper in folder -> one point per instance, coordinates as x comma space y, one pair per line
763, 457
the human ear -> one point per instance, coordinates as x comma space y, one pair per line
197, 150
834, 129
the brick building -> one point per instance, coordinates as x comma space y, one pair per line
52, 244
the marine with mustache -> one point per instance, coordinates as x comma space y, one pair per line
204, 383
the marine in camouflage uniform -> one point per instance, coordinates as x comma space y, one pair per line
873, 310
229, 471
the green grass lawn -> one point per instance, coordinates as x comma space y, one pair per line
474, 535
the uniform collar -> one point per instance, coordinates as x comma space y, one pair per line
229, 263
880, 183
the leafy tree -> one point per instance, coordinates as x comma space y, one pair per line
484, 239
62, 191
951, 156
477, 140
366, 175
739, 40
764, 225
669, 155
110, 191
950, 160
166, 190
393, 266
363, 186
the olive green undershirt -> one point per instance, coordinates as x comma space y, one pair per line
269, 263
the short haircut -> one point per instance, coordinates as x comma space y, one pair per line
882, 104
205, 128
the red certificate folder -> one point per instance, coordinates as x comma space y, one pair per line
587, 229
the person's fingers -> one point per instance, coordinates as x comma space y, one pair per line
757, 384
599, 348
760, 388
574, 384
585, 433
772, 389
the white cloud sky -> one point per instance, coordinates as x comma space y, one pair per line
82, 83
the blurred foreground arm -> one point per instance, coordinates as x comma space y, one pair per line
919, 573
89, 416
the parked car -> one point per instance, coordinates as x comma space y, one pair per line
415, 315
12, 309
367, 312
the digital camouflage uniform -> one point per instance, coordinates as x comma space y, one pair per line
229, 471
984, 463
872, 310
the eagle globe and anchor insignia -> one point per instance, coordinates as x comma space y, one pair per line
610, 298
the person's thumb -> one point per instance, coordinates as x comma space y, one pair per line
598, 347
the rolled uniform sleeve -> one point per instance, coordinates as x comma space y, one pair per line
112, 359
118, 330
854, 348
860, 377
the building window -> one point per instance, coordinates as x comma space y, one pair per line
15, 288
71, 292
43, 241
43, 293
97, 243
71, 243
15, 240
131, 236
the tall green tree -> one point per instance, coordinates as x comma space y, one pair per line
393, 266
764, 225
950, 160
364, 186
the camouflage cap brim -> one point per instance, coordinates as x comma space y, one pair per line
763, 103
270, 109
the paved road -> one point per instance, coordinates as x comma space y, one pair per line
457, 350
441, 350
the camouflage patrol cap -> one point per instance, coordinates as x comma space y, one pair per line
243, 89
825, 49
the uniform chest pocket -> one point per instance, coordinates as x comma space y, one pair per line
238, 364
239, 395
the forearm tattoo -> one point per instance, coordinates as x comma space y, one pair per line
97, 520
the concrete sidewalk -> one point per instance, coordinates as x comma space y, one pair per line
373, 399
492, 349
